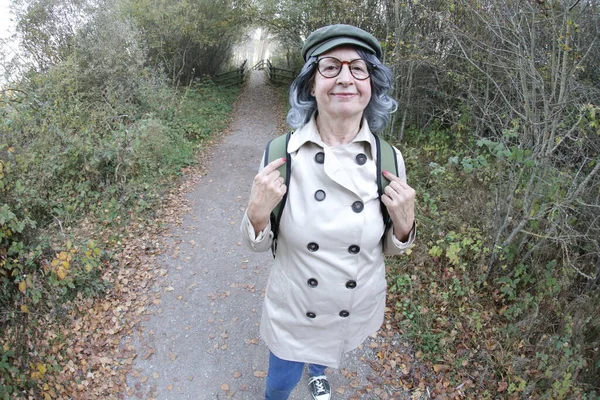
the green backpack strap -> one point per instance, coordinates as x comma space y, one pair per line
386, 161
277, 148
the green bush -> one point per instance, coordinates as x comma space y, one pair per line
79, 150
531, 315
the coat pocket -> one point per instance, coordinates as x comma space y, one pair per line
278, 288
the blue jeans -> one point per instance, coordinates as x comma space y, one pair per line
283, 376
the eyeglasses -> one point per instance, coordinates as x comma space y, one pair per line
330, 67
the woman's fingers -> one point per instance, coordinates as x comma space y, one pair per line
269, 173
399, 199
273, 166
267, 191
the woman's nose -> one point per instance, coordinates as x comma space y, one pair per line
345, 76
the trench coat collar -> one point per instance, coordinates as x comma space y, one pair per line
310, 133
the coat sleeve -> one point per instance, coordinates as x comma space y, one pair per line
391, 245
262, 241
259, 243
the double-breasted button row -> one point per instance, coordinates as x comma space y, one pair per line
361, 159
342, 314
358, 206
353, 249
312, 282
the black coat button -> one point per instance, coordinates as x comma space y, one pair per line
312, 282
351, 284
320, 157
344, 313
312, 246
361, 159
357, 206
311, 315
354, 249
320, 195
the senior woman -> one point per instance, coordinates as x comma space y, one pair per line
326, 290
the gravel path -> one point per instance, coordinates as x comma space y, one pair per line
202, 340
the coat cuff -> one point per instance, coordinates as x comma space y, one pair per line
394, 246
259, 243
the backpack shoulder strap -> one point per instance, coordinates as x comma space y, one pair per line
277, 148
386, 161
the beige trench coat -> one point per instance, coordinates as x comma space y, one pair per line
326, 290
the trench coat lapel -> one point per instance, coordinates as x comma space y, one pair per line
332, 166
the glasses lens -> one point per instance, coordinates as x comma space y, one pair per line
359, 69
330, 67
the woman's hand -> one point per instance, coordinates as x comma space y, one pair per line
399, 199
267, 191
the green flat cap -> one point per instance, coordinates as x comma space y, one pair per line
328, 37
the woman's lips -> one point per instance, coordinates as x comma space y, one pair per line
344, 95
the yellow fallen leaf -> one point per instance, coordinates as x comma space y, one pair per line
260, 374
441, 367
62, 273
24, 309
41, 368
22, 286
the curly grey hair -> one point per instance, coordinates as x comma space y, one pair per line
377, 112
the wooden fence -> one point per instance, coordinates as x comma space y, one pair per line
276, 75
234, 77
238, 76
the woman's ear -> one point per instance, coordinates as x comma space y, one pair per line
312, 86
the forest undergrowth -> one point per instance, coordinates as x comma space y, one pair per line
523, 335
74, 187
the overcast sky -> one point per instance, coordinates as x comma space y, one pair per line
4, 18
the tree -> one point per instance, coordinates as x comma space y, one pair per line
189, 38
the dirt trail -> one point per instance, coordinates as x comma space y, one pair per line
202, 340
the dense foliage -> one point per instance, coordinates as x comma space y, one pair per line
92, 131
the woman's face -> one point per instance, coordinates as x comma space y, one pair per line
341, 96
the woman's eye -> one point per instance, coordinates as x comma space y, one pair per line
359, 67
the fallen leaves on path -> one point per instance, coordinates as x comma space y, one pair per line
92, 343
